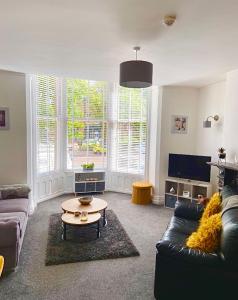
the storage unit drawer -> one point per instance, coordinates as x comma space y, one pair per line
170, 200
100, 186
90, 187
79, 187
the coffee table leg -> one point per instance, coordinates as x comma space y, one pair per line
64, 231
98, 229
104, 218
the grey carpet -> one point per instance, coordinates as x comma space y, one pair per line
117, 279
83, 245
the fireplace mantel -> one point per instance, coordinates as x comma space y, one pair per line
228, 173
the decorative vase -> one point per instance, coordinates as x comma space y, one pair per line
221, 155
172, 190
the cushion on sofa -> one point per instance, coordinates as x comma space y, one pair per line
182, 225
14, 191
175, 237
229, 237
213, 207
208, 235
18, 216
229, 190
229, 203
14, 205
9, 235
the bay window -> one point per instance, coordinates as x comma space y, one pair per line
79, 121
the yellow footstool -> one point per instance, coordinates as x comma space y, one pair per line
142, 192
1, 264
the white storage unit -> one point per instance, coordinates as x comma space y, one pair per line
193, 189
89, 182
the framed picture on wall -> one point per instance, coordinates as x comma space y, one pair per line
4, 118
179, 124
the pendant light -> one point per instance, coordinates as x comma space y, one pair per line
136, 73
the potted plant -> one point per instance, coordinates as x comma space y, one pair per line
88, 166
222, 153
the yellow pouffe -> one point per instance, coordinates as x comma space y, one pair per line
142, 192
1, 264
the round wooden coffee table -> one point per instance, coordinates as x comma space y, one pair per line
97, 205
72, 220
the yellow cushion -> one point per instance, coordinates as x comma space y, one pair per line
1, 264
207, 236
213, 207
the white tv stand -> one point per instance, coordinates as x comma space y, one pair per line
194, 188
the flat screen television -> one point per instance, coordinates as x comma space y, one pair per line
192, 167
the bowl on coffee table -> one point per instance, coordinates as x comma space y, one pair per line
85, 200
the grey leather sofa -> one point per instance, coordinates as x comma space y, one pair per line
14, 210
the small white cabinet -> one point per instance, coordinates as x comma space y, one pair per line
89, 182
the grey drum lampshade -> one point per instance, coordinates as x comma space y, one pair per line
207, 124
136, 74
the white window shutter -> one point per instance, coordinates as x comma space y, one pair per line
46, 91
129, 130
106, 124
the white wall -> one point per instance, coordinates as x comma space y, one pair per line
176, 101
13, 145
230, 132
211, 102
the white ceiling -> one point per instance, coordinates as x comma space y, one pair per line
89, 38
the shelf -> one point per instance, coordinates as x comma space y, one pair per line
227, 165
189, 198
89, 181
187, 181
171, 194
89, 192
88, 171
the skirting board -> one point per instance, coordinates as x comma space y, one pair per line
156, 199
52, 196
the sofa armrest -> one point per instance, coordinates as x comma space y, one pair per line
188, 210
9, 233
185, 254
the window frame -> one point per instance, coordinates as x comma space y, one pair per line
114, 93
56, 118
61, 119
65, 129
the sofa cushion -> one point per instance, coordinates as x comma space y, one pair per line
229, 237
182, 225
188, 210
229, 203
213, 207
14, 205
179, 230
14, 191
207, 237
19, 216
228, 191
175, 237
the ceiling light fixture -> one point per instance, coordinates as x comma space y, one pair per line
136, 73
169, 20
207, 123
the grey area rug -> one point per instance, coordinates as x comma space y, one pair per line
82, 244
